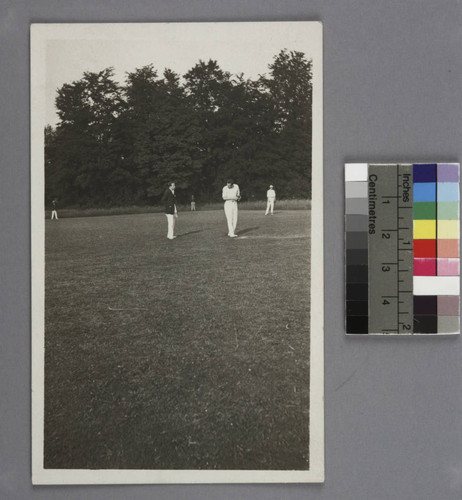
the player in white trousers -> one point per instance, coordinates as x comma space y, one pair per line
231, 195
271, 197
171, 212
54, 213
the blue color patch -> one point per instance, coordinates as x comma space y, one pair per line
425, 191
423, 172
448, 191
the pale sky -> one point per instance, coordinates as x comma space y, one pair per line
245, 48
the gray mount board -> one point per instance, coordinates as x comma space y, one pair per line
391, 89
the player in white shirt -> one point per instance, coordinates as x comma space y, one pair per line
271, 197
231, 195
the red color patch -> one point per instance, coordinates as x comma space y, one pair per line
424, 248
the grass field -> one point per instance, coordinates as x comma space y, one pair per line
183, 354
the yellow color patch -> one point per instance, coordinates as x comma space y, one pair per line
448, 229
424, 229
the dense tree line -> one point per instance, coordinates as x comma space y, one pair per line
121, 144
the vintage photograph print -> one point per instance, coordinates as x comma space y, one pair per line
177, 253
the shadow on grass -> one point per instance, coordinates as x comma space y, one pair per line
248, 230
188, 233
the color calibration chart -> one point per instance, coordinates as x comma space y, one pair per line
402, 248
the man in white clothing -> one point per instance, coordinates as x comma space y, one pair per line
231, 195
271, 197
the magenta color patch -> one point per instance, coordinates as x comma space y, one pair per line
448, 305
424, 267
448, 267
448, 172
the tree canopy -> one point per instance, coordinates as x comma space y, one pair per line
122, 144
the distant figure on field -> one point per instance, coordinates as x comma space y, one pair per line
171, 212
193, 204
271, 197
231, 195
54, 213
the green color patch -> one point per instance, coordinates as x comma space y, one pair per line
424, 210
448, 210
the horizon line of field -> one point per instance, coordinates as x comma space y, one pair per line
293, 205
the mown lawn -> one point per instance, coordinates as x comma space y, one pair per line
183, 354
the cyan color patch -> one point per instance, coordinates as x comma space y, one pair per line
448, 191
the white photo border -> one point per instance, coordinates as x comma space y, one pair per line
311, 34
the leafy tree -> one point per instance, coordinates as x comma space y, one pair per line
88, 109
53, 182
123, 144
208, 92
290, 87
165, 132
